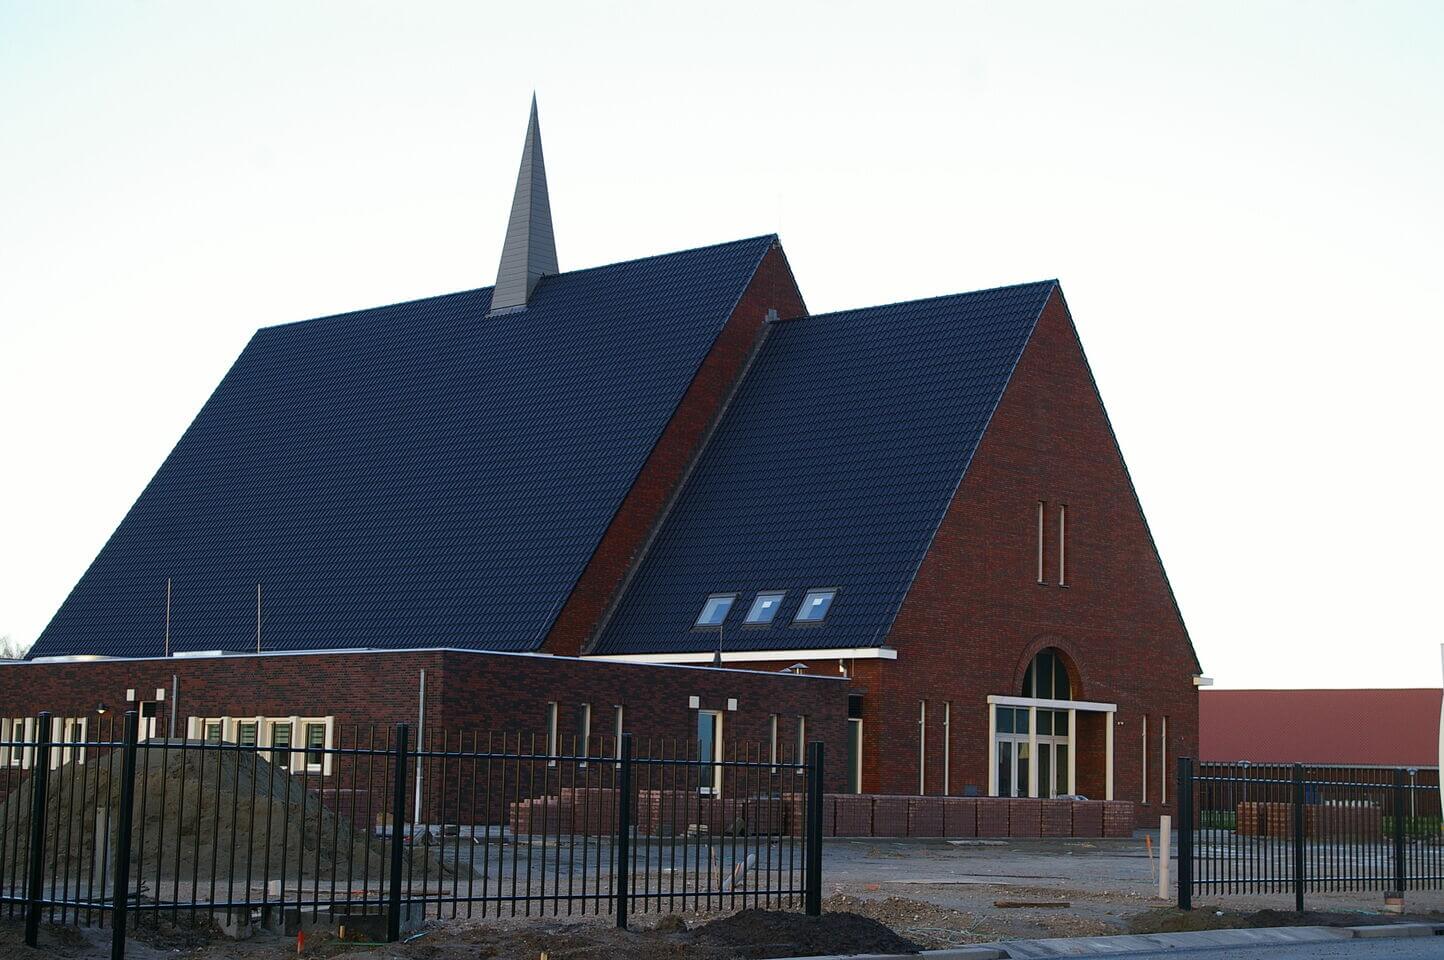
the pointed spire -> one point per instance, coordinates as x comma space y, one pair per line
529, 251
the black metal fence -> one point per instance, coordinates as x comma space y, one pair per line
1293, 828
362, 828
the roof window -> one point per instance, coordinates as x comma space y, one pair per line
815, 604
714, 611
765, 606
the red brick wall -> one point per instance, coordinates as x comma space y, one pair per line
471, 692
976, 615
772, 288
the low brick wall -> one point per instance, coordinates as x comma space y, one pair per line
863, 815
665, 812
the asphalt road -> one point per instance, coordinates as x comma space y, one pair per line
1402, 948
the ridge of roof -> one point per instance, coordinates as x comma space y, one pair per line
921, 301
551, 277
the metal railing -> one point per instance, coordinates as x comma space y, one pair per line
374, 832
1257, 828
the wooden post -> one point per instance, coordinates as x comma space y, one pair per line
1165, 841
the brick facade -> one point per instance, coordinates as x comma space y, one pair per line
470, 692
976, 615
772, 288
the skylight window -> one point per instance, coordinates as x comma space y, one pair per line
815, 605
765, 607
714, 611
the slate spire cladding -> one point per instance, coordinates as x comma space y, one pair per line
530, 251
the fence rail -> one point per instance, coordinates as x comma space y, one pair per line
376, 832
1248, 828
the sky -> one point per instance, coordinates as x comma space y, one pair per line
1242, 200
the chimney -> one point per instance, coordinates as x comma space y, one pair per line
530, 252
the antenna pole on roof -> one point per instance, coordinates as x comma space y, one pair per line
258, 618
717, 655
167, 616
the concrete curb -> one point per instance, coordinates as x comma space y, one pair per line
1154, 942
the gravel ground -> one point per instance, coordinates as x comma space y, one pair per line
933, 893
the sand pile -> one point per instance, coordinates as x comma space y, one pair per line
197, 814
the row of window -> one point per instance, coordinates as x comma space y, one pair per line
67, 737
289, 743
815, 604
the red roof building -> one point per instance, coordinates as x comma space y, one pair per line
1391, 728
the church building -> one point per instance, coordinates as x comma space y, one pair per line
656, 496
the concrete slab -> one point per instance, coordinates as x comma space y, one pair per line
1396, 930
1154, 942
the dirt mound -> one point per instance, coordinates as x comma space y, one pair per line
770, 933
222, 813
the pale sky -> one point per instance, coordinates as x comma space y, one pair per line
1243, 202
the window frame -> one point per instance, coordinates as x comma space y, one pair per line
798, 620
731, 601
552, 732
751, 620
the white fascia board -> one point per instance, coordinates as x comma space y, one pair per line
748, 656
1085, 705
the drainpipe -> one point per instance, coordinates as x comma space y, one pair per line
420, 723
174, 696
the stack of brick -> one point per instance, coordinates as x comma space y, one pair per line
1117, 818
852, 816
960, 817
1025, 818
992, 817
925, 817
1362, 821
1248, 819
1057, 818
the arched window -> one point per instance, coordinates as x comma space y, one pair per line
1047, 677
1032, 744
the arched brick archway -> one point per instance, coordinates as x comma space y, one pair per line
1069, 656
1069, 750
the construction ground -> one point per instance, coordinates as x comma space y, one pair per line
881, 895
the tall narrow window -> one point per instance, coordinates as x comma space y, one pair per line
709, 752
1042, 572
552, 732
316, 747
801, 741
922, 747
1062, 545
281, 744
947, 736
772, 742
584, 730
1163, 760
617, 730
1145, 758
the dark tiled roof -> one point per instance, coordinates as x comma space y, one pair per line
832, 468
1365, 727
412, 475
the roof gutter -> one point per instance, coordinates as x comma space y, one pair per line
753, 656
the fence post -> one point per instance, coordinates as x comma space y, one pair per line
398, 822
121, 884
1299, 837
623, 846
1400, 814
1185, 833
813, 903
39, 775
